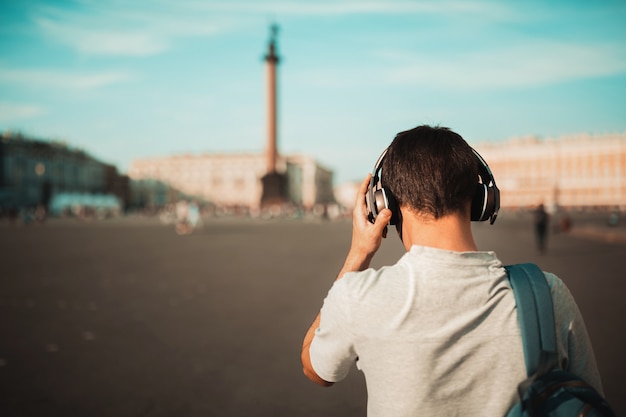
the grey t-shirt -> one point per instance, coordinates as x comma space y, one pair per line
437, 334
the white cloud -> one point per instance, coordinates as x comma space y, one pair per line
103, 42
530, 64
11, 112
62, 80
345, 7
149, 28
112, 29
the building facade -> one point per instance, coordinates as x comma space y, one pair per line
33, 172
234, 180
573, 172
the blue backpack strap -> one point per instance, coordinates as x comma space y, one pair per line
536, 316
546, 391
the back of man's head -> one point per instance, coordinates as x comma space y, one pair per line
430, 170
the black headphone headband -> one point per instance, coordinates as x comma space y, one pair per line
485, 203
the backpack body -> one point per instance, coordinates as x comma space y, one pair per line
548, 391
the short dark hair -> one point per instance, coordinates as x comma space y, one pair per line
430, 170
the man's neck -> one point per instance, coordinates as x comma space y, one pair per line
452, 232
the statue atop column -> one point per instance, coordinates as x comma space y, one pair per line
271, 55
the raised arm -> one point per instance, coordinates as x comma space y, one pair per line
366, 239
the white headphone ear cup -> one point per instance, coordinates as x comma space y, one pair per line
479, 203
384, 200
380, 201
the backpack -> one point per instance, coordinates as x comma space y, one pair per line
548, 391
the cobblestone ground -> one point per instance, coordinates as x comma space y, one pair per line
125, 318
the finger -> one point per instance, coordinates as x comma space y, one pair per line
382, 220
365, 184
363, 188
359, 204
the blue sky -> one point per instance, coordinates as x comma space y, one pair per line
132, 79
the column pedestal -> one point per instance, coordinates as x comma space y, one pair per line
274, 189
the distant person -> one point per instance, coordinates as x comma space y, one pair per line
541, 221
613, 219
187, 217
193, 216
13, 215
435, 334
182, 210
41, 213
26, 215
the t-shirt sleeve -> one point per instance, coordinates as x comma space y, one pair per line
332, 349
576, 347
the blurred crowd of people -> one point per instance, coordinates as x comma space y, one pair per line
24, 215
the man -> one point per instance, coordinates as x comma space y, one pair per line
436, 334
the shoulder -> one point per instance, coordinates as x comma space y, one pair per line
576, 349
368, 283
554, 282
560, 292
358, 283
363, 280
565, 308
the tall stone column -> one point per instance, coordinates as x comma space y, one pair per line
274, 183
272, 61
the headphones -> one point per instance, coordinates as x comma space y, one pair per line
485, 202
